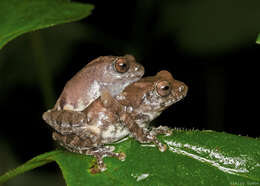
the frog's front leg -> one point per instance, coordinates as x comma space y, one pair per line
85, 146
143, 135
161, 130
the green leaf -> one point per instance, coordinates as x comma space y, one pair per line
21, 16
258, 39
192, 158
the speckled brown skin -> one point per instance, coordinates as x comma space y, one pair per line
98, 75
105, 74
110, 119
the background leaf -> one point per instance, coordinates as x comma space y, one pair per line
193, 158
258, 39
21, 16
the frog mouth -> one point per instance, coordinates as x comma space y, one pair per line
177, 98
179, 94
171, 101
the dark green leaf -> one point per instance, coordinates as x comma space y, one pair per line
193, 158
258, 39
21, 16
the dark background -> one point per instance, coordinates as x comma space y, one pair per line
208, 45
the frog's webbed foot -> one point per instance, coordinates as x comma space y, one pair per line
151, 136
156, 131
100, 153
161, 130
75, 144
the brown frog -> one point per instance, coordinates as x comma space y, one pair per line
109, 119
110, 73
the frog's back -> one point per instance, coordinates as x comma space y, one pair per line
84, 87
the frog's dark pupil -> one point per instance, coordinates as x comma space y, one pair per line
165, 88
123, 65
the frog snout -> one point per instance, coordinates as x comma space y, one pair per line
180, 89
139, 68
183, 89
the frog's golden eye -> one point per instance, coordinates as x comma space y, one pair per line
121, 65
163, 88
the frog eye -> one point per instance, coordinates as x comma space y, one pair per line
163, 88
121, 65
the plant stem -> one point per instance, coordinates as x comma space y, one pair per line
23, 168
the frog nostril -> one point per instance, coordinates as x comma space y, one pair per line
181, 88
137, 67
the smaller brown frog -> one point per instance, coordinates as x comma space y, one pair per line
110, 73
109, 119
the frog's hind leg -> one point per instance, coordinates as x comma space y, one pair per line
100, 153
65, 121
75, 144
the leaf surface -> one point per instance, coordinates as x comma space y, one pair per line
193, 158
21, 16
